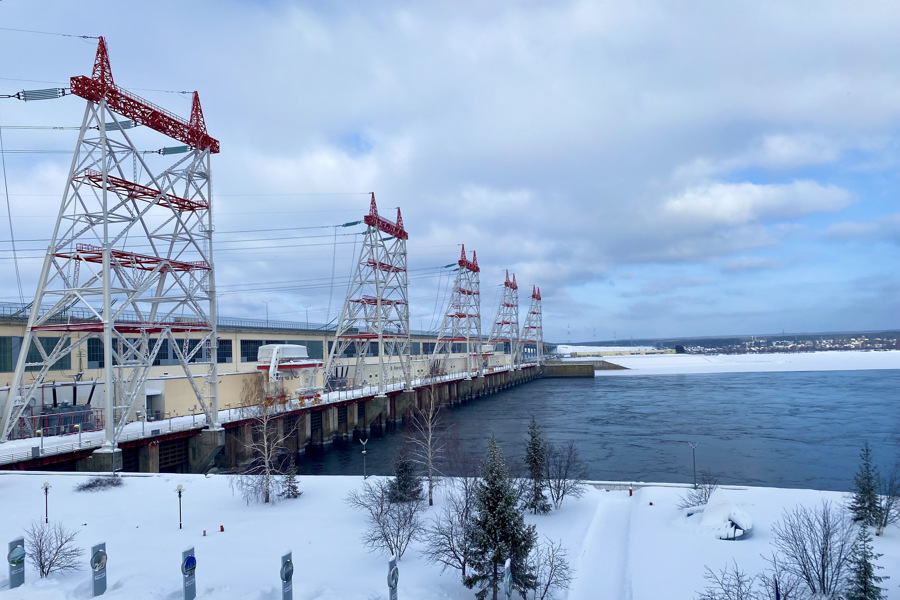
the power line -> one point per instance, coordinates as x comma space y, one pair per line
71, 35
12, 236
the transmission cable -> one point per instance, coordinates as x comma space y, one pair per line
12, 236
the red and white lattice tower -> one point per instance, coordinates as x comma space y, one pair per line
376, 311
533, 330
506, 326
462, 321
116, 202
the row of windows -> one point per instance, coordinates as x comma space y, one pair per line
250, 348
10, 347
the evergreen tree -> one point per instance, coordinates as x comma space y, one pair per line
536, 461
498, 531
865, 505
289, 483
863, 583
407, 484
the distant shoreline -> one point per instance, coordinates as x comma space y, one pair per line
681, 364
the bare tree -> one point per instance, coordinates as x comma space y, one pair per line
730, 584
699, 496
816, 546
888, 502
446, 542
566, 473
779, 582
391, 525
51, 548
427, 439
549, 563
258, 479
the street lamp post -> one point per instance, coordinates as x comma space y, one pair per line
41, 433
266, 302
179, 489
78, 428
693, 446
46, 487
364, 442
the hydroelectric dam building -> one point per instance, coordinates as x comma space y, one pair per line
121, 361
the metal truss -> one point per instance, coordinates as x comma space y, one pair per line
462, 320
533, 330
376, 311
137, 301
506, 325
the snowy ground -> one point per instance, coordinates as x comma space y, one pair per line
622, 548
664, 364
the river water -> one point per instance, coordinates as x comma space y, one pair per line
779, 429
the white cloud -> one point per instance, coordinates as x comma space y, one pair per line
738, 203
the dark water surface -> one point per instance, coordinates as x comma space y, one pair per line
793, 430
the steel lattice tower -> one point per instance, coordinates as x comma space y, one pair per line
136, 302
376, 309
533, 330
462, 321
506, 325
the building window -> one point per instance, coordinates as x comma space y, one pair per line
313, 349
48, 344
250, 349
6, 361
95, 353
224, 352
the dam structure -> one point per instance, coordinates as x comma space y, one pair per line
121, 361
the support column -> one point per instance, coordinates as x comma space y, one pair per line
148, 458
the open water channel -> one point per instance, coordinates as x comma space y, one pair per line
778, 429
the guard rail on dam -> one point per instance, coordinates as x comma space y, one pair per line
185, 444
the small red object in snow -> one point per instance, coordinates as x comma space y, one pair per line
221, 528
629, 492
651, 504
204, 533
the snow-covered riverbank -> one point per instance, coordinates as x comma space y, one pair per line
660, 364
638, 547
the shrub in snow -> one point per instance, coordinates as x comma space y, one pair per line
51, 548
888, 502
549, 563
566, 473
391, 526
445, 539
697, 497
815, 546
730, 584
96, 484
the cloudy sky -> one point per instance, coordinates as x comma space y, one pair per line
657, 168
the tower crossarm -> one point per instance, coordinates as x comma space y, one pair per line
373, 219
372, 301
139, 192
100, 86
383, 266
143, 262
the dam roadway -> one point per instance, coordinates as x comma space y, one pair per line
184, 444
